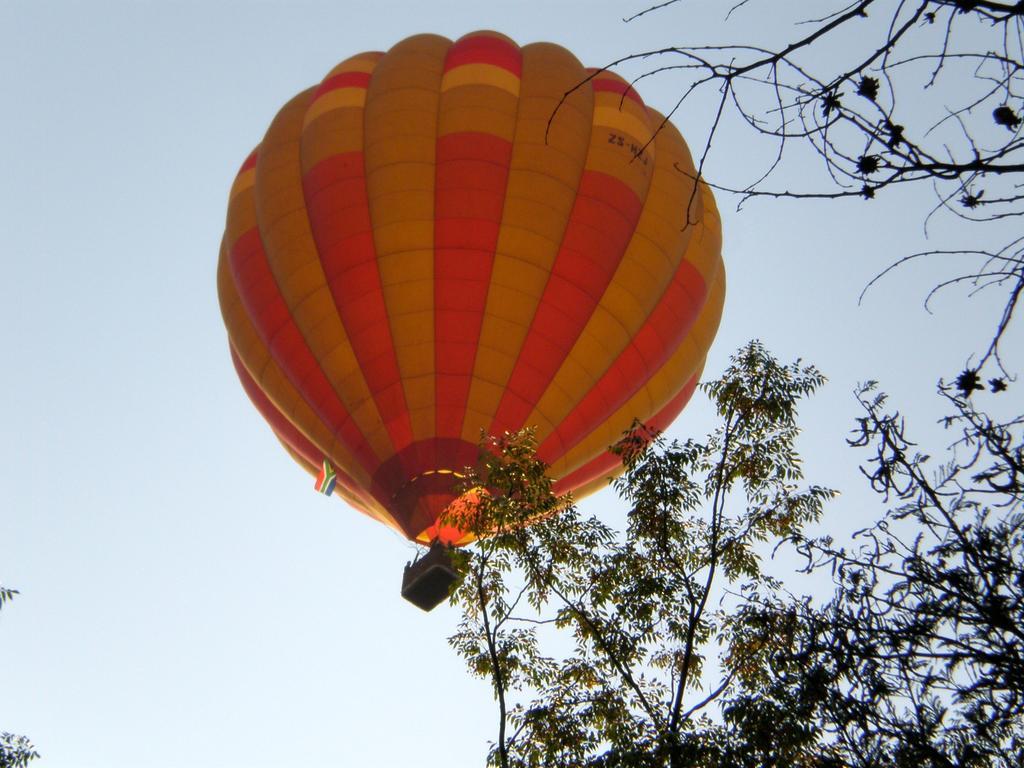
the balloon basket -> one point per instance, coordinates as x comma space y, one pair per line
426, 581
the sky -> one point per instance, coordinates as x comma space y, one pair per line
186, 599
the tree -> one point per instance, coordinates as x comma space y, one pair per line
917, 658
643, 609
685, 651
886, 93
15, 751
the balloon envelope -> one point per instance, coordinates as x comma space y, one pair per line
451, 238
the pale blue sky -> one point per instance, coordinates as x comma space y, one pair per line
187, 599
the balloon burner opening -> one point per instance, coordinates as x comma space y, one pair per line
426, 582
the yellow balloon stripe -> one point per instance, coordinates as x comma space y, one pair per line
620, 120
661, 388
243, 183
648, 266
241, 223
543, 177
273, 381
401, 119
295, 262
343, 97
481, 74
621, 128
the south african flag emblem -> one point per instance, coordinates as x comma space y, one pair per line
326, 480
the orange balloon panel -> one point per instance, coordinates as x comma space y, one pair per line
437, 241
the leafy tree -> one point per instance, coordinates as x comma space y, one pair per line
886, 93
15, 751
669, 644
643, 609
918, 658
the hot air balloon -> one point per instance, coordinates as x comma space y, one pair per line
455, 237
